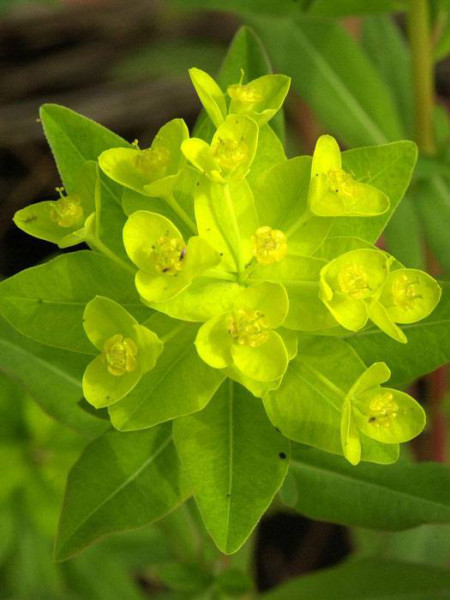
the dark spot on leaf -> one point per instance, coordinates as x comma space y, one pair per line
372, 419
282, 455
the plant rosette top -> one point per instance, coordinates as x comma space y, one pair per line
232, 315
234, 292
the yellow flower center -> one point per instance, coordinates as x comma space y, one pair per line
152, 158
167, 255
67, 211
230, 153
244, 94
345, 187
248, 328
383, 410
353, 281
269, 245
120, 354
405, 292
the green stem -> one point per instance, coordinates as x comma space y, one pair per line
180, 212
97, 244
423, 74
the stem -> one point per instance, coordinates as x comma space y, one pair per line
423, 74
175, 206
101, 247
423, 80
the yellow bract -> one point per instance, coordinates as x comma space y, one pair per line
248, 327
244, 94
229, 153
167, 255
269, 245
120, 354
67, 211
353, 281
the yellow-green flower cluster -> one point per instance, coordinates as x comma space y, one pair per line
208, 245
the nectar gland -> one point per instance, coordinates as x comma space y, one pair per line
152, 158
167, 255
120, 354
248, 328
405, 292
67, 211
244, 94
352, 280
269, 245
344, 186
382, 410
230, 153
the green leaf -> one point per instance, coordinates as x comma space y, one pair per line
404, 234
236, 462
269, 152
343, 8
428, 344
388, 168
325, 62
307, 407
433, 207
52, 377
391, 498
75, 139
121, 481
180, 384
393, 62
46, 302
247, 53
368, 580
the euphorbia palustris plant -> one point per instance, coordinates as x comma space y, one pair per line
228, 313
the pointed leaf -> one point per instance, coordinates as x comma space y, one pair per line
47, 302
121, 481
236, 462
51, 376
389, 498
